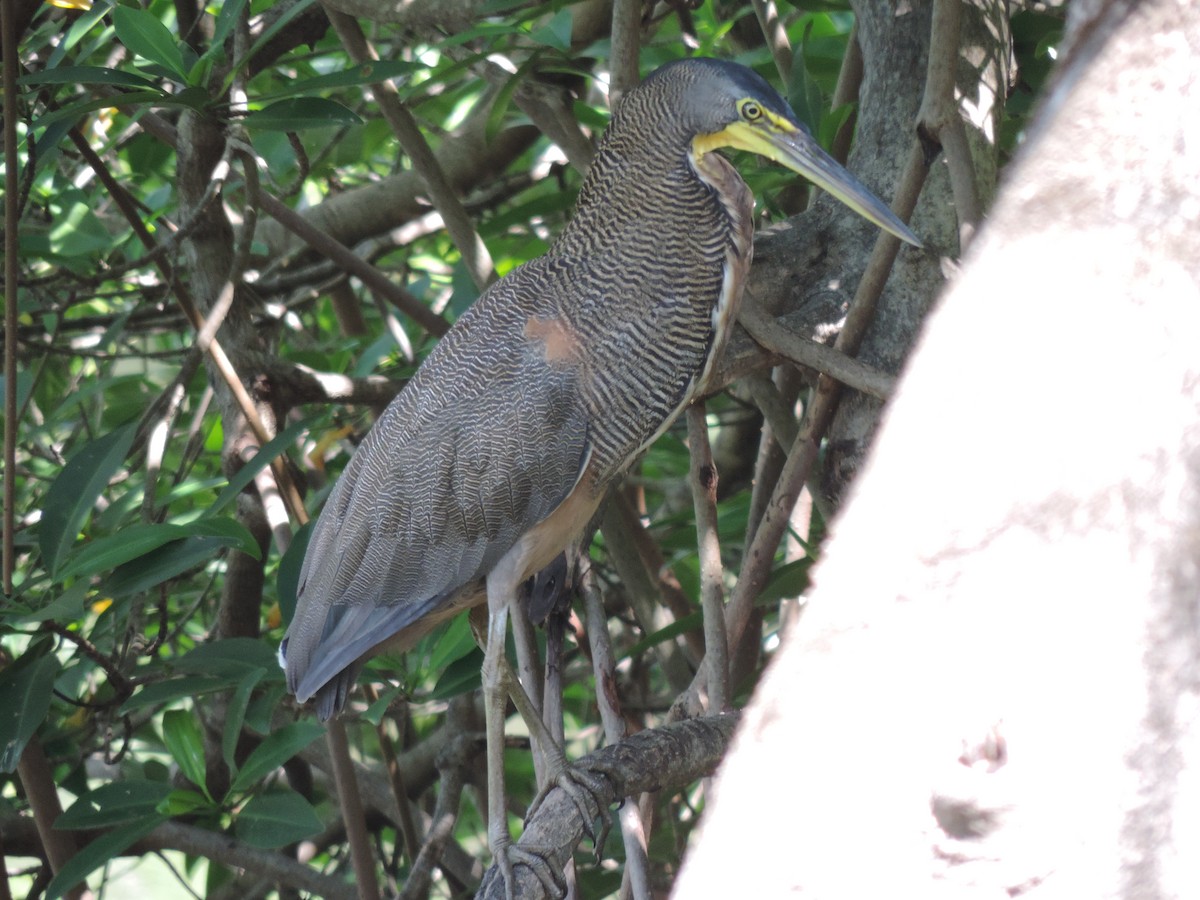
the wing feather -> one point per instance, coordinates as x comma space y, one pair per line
485, 442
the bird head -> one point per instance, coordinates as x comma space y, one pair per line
725, 104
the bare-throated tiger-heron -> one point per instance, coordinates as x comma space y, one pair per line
500, 448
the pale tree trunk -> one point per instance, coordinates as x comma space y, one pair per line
994, 692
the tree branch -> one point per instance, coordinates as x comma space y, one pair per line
804, 352
474, 254
703, 479
228, 851
659, 759
939, 119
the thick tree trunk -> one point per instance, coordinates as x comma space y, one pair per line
995, 691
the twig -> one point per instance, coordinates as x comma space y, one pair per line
776, 337
116, 677
451, 763
318, 240
642, 589
668, 591
776, 35
352, 811
939, 120
38, 781
351, 263
274, 509
780, 415
475, 255
777, 434
546, 108
760, 555
223, 849
12, 217
626, 40
703, 478
295, 383
604, 665
408, 826
850, 77
212, 346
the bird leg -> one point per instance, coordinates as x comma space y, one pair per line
579, 784
498, 684
528, 680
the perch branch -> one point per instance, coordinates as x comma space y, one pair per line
658, 759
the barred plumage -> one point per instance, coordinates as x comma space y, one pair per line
499, 449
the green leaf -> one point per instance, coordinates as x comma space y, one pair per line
162, 564
227, 18
74, 492
276, 819
182, 737
235, 715
160, 693
79, 27
26, 687
804, 94
116, 803
276, 749
88, 75
261, 460
788, 580
455, 642
183, 802
365, 73
832, 122
229, 658
76, 111
135, 541
300, 113
503, 99
670, 632
100, 851
264, 706
376, 711
287, 579
24, 386
77, 231
557, 32
142, 33
68, 606
460, 676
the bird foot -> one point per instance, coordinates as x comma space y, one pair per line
587, 788
507, 857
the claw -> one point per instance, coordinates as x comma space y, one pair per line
586, 788
508, 856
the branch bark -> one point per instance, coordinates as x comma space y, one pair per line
468, 159
660, 759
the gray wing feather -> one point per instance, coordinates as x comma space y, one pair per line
484, 443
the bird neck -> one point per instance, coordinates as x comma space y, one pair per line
635, 182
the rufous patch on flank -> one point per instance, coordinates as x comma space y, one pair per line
559, 340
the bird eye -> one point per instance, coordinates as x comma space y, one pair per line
751, 111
